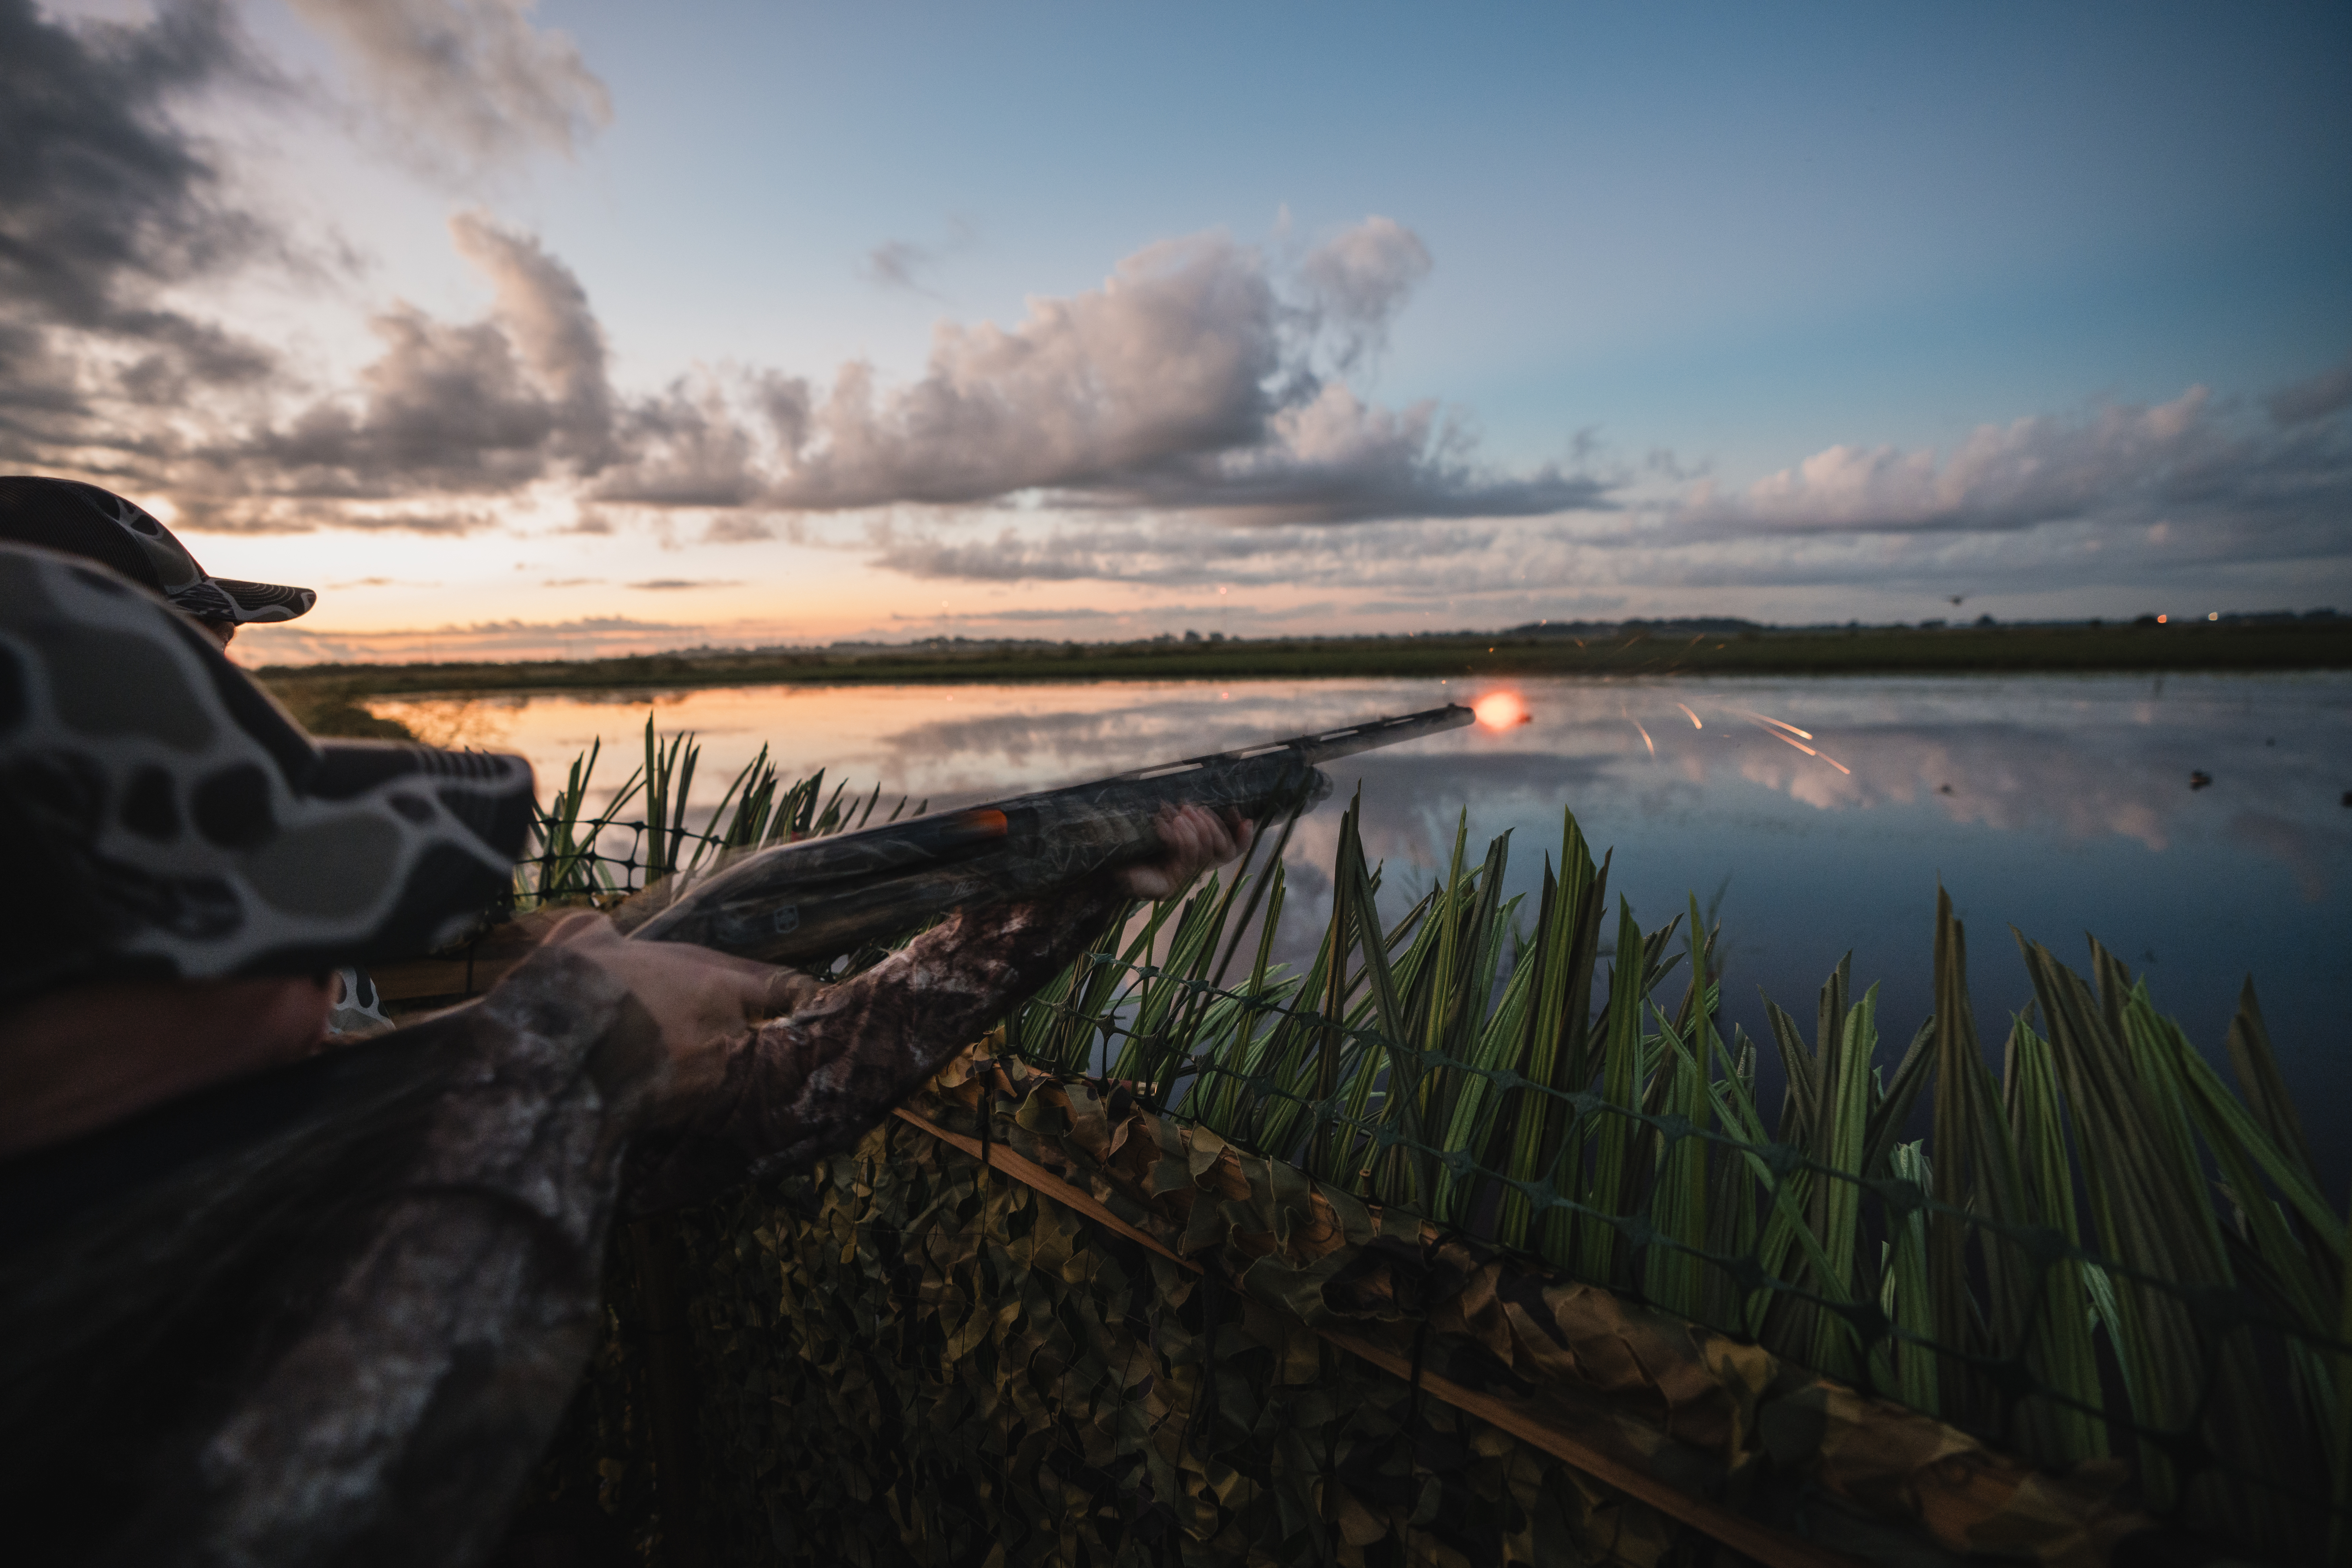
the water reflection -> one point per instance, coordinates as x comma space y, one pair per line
1824, 812
2077, 758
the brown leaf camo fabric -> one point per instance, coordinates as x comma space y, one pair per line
901, 1358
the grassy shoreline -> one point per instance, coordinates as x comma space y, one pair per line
340, 690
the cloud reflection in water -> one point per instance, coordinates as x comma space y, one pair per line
2059, 805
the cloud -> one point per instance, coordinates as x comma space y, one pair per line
738, 528
687, 447
488, 407
1357, 280
893, 264
587, 636
2329, 392
1202, 416
1171, 356
469, 78
902, 263
113, 212
1335, 458
1195, 381
2003, 477
1030, 615
2192, 491
1185, 383
1187, 552
211, 504
580, 624
103, 192
106, 205
2191, 474
666, 583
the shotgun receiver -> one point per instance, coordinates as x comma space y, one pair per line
817, 899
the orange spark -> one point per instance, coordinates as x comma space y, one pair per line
1637, 727
1808, 735
1691, 716
1501, 710
1801, 745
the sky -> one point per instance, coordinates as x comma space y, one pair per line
574, 329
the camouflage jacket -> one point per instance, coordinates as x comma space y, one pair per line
332, 1313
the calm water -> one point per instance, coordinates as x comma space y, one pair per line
2059, 805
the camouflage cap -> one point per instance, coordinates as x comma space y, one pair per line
161, 816
83, 519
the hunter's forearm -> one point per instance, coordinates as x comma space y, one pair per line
814, 1082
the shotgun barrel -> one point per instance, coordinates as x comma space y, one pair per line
819, 897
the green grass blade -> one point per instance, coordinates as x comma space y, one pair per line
1893, 1109
2258, 1082
1540, 1125
1834, 1213
1475, 1115
1906, 1294
1620, 1079
2136, 1201
2063, 1356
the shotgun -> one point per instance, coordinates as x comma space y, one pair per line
814, 900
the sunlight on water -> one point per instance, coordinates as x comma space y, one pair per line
1815, 815
2076, 758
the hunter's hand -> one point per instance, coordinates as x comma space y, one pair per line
702, 1000
1191, 839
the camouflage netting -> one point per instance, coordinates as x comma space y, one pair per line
905, 1357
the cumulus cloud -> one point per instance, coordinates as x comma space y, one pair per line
114, 213
2192, 471
2003, 477
1337, 459
485, 407
469, 78
2194, 489
689, 446
1171, 356
1186, 382
1201, 378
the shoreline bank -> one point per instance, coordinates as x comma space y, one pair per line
340, 690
